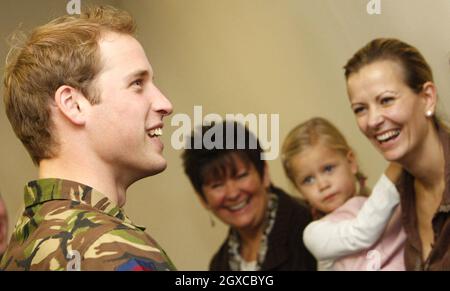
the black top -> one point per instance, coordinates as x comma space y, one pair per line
286, 251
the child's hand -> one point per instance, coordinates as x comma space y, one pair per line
393, 172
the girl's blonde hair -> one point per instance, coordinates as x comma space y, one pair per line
310, 133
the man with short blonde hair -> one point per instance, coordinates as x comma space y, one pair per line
79, 94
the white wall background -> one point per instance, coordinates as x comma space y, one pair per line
239, 56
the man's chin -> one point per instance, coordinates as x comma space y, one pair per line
157, 168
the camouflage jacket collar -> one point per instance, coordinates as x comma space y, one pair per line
42, 190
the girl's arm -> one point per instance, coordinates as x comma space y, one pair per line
328, 240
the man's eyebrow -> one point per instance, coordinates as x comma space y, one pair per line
138, 73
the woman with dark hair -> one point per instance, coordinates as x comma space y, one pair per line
233, 182
393, 97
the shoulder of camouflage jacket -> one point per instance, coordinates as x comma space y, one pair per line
61, 236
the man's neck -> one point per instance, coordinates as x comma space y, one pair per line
94, 175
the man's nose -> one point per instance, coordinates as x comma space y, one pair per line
160, 102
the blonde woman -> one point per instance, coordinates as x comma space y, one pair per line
393, 96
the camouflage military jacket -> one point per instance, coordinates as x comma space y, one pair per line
70, 226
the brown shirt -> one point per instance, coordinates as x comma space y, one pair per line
439, 257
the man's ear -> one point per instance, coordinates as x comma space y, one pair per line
72, 104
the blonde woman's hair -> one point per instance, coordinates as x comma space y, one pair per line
415, 69
310, 133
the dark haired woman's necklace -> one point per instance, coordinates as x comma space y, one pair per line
236, 261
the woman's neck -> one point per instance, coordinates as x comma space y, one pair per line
250, 240
427, 164
251, 236
250, 244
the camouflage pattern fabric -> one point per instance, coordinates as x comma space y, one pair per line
70, 226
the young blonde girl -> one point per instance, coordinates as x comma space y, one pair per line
351, 231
